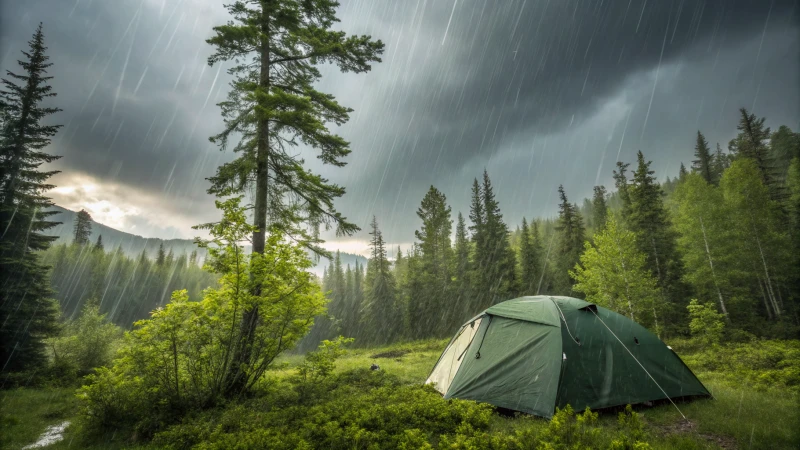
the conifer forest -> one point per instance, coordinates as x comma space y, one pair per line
277, 223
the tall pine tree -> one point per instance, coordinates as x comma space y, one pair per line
272, 107
703, 164
498, 257
530, 258
382, 313
429, 316
753, 142
649, 220
27, 312
82, 229
621, 183
599, 208
570, 241
462, 271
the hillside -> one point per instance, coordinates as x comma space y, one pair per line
132, 244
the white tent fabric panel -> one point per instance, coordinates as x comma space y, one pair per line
451, 359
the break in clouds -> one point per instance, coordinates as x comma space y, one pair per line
538, 92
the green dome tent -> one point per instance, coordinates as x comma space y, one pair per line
533, 354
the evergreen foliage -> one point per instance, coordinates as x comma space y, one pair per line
27, 312
273, 107
570, 241
83, 228
530, 256
430, 317
382, 312
599, 208
649, 220
704, 162
125, 288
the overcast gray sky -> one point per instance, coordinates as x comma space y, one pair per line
538, 92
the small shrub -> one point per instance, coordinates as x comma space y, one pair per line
318, 365
706, 325
632, 436
84, 344
567, 431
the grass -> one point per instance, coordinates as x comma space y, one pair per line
739, 416
26, 414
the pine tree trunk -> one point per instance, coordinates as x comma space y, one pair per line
713, 274
243, 355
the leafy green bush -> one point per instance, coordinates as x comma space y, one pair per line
365, 409
181, 359
317, 366
373, 410
760, 364
706, 323
84, 344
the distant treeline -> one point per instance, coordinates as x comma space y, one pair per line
127, 289
726, 232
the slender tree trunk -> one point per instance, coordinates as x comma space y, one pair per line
713, 274
764, 297
243, 356
767, 281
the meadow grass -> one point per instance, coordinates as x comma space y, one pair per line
739, 416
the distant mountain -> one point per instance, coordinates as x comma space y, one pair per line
347, 258
132, 245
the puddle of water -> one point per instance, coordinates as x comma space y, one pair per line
51, 435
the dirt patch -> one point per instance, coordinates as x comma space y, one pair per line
391, 354
681, 426
689, 427
725, 442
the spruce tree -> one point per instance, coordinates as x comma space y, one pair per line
193, 258
478, 282
570, 241
381, 309
753, 142
436, 257
161, 256
499, 258
721, 162
273, 106
784, 147
530, 259
98, 246
682, 172
462, 267
621, 183
83, 228
649, 220
599, 208
704, 162
27, 313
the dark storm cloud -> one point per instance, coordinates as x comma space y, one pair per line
540, 92
500, 81
132, 79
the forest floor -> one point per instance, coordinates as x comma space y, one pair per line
756, 401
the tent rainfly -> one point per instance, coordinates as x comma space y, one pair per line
533, 354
